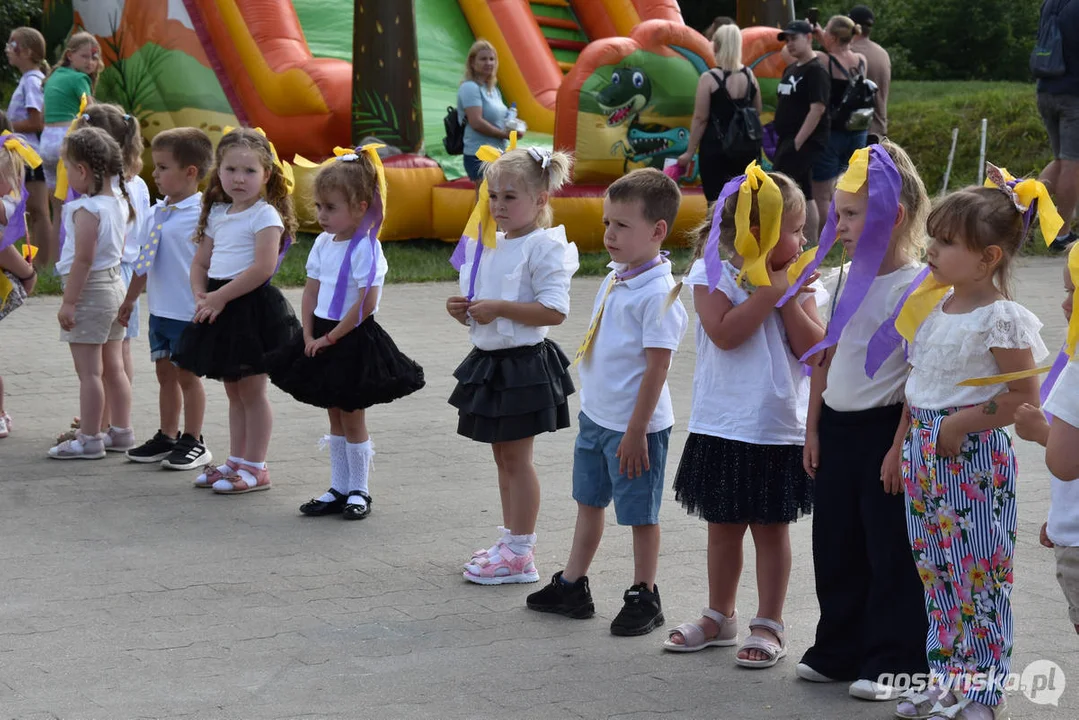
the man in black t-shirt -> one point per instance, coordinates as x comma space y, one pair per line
801, 121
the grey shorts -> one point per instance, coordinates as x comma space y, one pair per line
1068, 577
1060, 115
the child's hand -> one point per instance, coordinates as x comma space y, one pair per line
485, 311
632, 454
1043, 537
1030, 424
66, 316
778, 276
314, 347
457, 307
124, 316
805, 289
208, 306
950, 438
811, 454
891, 476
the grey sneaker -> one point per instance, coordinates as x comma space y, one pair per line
83, 447
120, 439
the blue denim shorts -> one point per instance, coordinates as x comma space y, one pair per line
165, 336
833, 161
474, 168
128, 271
596, 479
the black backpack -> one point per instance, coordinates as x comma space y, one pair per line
743, 134
855, 109
1047, 57
454, 142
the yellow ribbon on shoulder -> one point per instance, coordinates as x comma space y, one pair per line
344, 153
755, 251
18, 146
481, 214
61, 170
918, 306
284, 167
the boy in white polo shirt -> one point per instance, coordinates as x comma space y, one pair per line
182, 157
626, 414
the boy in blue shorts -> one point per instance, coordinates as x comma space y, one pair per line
182, 157
626, 415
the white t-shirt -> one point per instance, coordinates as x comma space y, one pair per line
851, 390
168, 284
757, 392
112, 215
324, 263
136, 230
532, 268
9, 203
234, 236
948, 349
29, 95
612, 371
1063, 403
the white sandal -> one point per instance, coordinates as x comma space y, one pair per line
771, 648
694, 639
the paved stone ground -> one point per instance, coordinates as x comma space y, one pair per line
126, 593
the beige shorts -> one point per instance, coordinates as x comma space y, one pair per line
1068, 577
96, 310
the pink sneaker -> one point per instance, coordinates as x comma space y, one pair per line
213, 473
238, 485
505, 567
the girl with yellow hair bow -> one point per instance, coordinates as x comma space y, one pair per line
345, 362
515, 382
242, 325
959, 468
742, 464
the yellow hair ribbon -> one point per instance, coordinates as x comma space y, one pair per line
20, 148
1073, 323
857, 172
918, 306
1028, 191
61, 171
794, 271
284, 167
755, 251
481, 214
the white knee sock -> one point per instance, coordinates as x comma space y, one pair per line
338, 468
521, 544
359, 468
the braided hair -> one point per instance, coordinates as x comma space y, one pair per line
95, 148
124, 129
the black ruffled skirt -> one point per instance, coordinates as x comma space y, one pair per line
362, 369
506, 395
251, 336
727, 481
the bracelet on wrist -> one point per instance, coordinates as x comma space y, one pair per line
33, 273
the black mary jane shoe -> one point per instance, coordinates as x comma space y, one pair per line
357, 512
318, 508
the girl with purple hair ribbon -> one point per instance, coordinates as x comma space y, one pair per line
345, 361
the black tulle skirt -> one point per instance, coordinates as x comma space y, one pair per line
251, 336
506, 395
361, 369
727, 481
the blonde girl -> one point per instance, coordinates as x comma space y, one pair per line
345, 362
25, 52
242, 324
742, 465
89, 269
515, 383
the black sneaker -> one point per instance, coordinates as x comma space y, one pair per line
153, 450
573, 600
188, 454
1061, 244
642, 612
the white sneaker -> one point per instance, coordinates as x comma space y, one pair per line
5, 425
871, 690
805, 672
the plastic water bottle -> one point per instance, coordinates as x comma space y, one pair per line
511, 117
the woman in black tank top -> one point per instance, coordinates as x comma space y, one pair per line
721, 92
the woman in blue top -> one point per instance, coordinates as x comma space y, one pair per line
480, 102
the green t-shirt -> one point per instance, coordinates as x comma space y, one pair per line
63, 92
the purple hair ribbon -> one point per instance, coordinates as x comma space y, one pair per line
885, 185
887, 338
1051, 379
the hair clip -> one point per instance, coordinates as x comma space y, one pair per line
540, 155
348, 157
127, 116
86, 117
1006, 184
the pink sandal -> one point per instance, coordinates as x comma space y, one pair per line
211, 474
237, 485
506, 567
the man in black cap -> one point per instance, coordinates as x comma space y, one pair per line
879, 68
801, 122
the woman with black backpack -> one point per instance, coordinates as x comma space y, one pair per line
726, 116
850, 109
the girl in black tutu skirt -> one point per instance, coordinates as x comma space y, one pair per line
515, 382
345, 362
242, 324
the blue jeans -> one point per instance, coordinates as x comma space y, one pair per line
841, 145
474, 168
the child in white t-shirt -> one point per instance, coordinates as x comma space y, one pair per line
26, 113
182, 158
742, 464
626, 414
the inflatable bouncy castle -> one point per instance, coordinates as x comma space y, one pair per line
611, 80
